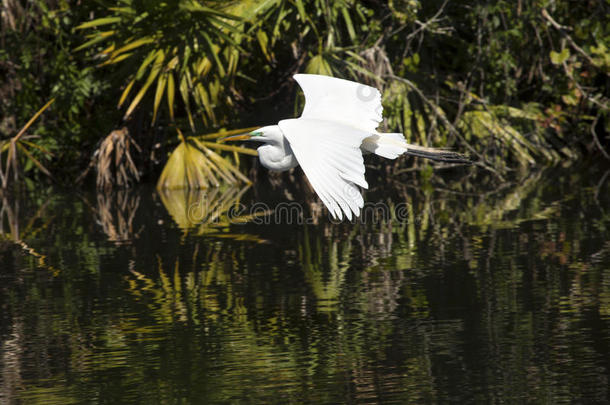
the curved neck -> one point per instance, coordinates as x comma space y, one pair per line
276, 154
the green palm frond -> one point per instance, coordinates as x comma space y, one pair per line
21, 148
189, 47
194, 164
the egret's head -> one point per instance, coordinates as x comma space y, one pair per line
268, 134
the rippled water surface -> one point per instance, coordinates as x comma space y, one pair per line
478, 296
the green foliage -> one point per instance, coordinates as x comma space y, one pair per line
511, 83
542, 52
194, 164
18, 152
196, 48
37, 64
179, 46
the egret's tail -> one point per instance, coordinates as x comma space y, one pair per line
438, 154
392, 145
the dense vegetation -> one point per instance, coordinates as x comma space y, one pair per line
473, 295
512, 83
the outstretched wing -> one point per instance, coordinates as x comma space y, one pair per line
330, 156
342, 101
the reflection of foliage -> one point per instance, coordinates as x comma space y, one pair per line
208, 211
470, 296
12, 216
325, 267
167, 304
115, 212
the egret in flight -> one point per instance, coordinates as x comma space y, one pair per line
338, 125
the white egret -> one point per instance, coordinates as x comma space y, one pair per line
337, 126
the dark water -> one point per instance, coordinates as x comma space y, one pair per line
467, 294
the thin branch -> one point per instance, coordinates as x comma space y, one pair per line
424, 25
599, 186
596, 139
563, 31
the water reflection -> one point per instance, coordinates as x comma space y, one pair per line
201, 208
470, 296
115, 213
210, 211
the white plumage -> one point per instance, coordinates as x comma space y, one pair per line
329, 154
341, 101
339, 122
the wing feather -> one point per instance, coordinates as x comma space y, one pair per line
343, 101
330, 156
329, 183
322, 189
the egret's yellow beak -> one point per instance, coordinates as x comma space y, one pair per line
242, 137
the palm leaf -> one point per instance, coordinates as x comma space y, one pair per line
97, 38
193, 164
99, 22
33, 159
151, 78
33, 119
159, 94
171, 89
132, 45
126, 92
